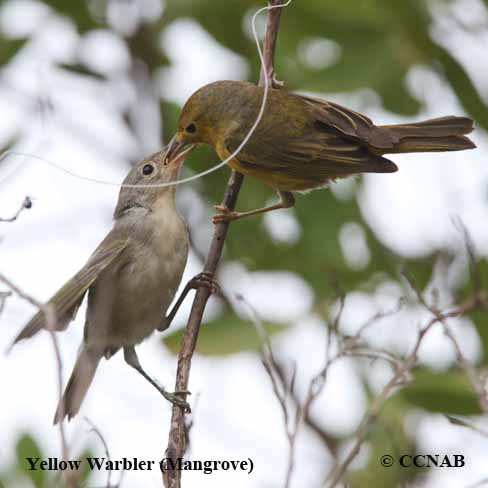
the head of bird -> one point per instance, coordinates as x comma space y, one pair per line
207, 114
151, 171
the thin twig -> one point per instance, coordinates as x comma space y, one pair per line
100, 436
283, 389
176, 442
476, 382
26, 204
399, 378
51, 325
3, 298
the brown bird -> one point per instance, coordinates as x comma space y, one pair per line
302, 143
131, 279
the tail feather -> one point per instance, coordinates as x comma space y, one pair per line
77, 387
441, 134
31, 329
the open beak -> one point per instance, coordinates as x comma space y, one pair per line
180, 155
172, 165
176, 150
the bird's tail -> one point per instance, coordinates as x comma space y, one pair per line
434, 135
78, 384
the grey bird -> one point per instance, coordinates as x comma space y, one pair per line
131, 279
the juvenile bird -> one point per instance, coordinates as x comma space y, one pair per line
302, 143
131, 279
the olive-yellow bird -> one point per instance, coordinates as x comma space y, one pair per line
302, 143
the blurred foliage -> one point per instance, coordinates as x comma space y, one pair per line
20, 474
478, 317
9, 48
367, 44
225, 335
448, 392
387, 436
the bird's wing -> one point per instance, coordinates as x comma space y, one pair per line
67, 300
312, 154
351, 124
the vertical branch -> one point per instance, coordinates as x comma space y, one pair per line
269, 44
176, 442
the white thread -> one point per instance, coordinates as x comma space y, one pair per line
198, 175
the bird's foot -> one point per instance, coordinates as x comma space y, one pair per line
224, 214
207, 280
177, 398
275, 83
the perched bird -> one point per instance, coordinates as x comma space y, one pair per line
302, 143
131, 279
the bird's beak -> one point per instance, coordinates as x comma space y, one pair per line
180, 155
173, 164
176, 150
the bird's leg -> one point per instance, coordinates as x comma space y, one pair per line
275, 83
287, 200
131, 359
201, 279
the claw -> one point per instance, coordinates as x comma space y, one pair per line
224, 214
276, 84
205, 279
176, 400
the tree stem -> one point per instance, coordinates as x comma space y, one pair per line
177, 439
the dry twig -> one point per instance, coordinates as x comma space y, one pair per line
96, 431
176, 442
399, 378
51, 325
26, 204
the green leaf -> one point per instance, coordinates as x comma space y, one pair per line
478, 317
387, 436
85, 472
27, 447
81, 69
446, 392
9, 48
226, 335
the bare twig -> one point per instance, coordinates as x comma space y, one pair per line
26, 204
176, 442
399, 378
283, 388
100, 436
3, 298
459, 422
51, 325
476, 382
296, 412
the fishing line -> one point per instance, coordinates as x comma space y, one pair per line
8, 153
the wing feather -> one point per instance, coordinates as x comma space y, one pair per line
68, 299
351, 124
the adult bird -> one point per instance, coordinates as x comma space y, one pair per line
302, 143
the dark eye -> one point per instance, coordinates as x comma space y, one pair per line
147, 169
191, 128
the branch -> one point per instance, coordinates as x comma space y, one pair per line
283, 388
399, 378
96, 431
26, 204
176, 442
51, 322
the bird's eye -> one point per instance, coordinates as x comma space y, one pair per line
147, 169
191, 128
